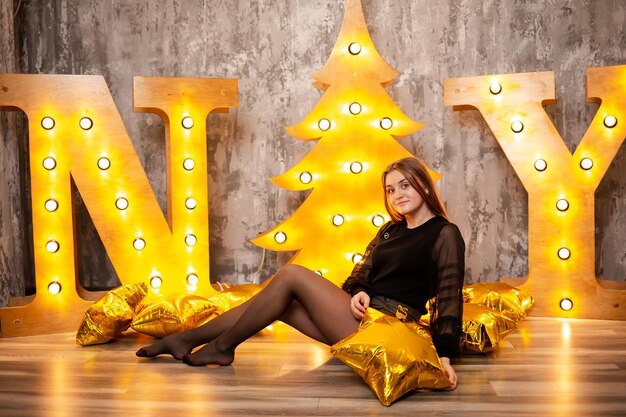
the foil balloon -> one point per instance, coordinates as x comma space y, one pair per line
503, 298
108, 317
483, 328
392, 357
234, 296
174, 314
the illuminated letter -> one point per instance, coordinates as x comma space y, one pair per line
561, 251
76, 133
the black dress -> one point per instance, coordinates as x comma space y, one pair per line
414, 266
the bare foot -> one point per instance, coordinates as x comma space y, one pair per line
209, 354
174, 345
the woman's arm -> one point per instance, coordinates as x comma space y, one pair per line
447, 312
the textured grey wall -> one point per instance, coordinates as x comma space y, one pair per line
273, 47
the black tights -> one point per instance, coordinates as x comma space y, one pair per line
295, 295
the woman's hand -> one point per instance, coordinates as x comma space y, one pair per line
449, 371
359, 303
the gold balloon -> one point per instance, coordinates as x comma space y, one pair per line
174, 314
483, 328
234, 296
503, 298
392, 357
111, 315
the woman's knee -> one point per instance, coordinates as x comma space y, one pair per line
292, 273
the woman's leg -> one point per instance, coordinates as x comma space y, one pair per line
326, 305
180, 344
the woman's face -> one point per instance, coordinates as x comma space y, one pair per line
401, 195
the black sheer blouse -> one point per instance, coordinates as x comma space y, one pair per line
414, 266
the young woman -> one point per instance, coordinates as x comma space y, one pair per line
417, 257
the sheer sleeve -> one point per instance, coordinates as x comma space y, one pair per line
360, 278
447, 308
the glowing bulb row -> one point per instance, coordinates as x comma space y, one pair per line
585, 163
337, 220
104, 163
355, 108
86, 123
306, 177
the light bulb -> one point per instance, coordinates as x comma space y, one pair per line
54, 287
104, 163
338, 219
318, 272
356, 258
517, 126
354, 48
324, 124
280, 237
86, 123
187, 122
586, 164
121, 203
139, 244
49, 163
564, 253
47, 123
356, 167
156, 282
495, 88
188, 164
51, 205
386, 123
566, 304
541, 165
192, 279
191, 240
306, 177
378, 220
562, 204
355, 108
610, 121
52, 246
191, 203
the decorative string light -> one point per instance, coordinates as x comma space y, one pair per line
280, 237
121, 203
541, 165
188, 164
355, 108
104, 163
586, 164
54, 287
192, 279
566, 304
49, 163
324, 124
378, 220
156, 282
517, 126
86, 123
356, 167
51, 205
191, 203
386, 123
610, 121
139, 244
52, 246
187, 122
564, 253
562, 204
191, 240
47, 123
354, 48
306, 177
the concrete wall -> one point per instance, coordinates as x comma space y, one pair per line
274, 46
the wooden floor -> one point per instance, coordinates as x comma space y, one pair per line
549, 367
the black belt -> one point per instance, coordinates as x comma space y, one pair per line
395, 308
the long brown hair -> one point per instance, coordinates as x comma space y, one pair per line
417, 175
